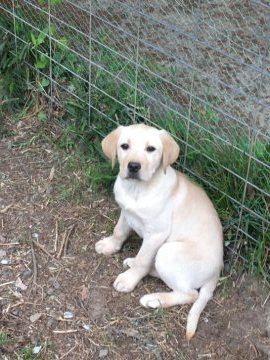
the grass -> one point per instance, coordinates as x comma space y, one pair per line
23, 353
4, 339
222, 167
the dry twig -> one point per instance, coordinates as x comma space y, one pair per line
44, 250
10, 244
7, 283
6, 209
62, 245
56, 236
68, 331
64, 242
69, 351
34, 263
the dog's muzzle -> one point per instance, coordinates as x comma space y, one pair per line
133, 170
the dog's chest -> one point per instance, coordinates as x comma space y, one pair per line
143, 214
138, 214
137, 223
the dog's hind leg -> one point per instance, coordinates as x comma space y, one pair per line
183, 271
167, 299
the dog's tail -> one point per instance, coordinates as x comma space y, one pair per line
205, 294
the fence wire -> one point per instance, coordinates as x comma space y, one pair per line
200, 69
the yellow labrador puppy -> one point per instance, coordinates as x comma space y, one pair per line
181, 232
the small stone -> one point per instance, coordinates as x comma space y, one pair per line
49, 190
68, 315
51, 323
86, 327
265, 334
227, 268
3, 302
5, 262
3, 253
33, 339
2, 238
12, 250
20, 339
37, 349
50, 291
36, 198
54, 283
26, 274
103, 353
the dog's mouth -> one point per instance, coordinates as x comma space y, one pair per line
133, 176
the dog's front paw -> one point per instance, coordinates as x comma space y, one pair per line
151, 301
126, 281
107, 246
128, 262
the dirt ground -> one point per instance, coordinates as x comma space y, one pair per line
56, 292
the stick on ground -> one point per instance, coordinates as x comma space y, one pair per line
64, 242
44, 250
34, 263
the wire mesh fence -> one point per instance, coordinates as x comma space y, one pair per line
200, 69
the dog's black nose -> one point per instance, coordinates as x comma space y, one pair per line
134, 167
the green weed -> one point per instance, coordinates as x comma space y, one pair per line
4, 339
26, 353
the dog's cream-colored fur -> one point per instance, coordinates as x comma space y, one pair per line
182, 235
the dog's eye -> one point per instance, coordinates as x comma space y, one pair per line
150, 148
124, 146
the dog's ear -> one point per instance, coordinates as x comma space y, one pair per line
109, 144
170, 149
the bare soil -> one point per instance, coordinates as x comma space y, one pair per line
45, 204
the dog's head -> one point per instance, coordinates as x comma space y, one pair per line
140, 150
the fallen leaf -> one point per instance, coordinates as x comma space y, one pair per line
41, 189
103, 353
2, 238
130, 332
20, 285
35, 317
84, 293
3, 253
52, 173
